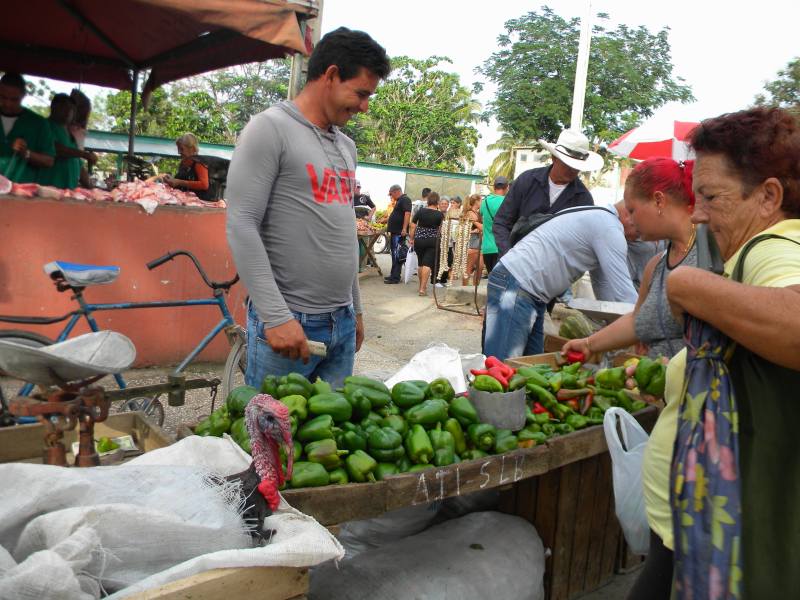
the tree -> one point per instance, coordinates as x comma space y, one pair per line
630, 75
504, 161
421, 116
215, 106
785, 90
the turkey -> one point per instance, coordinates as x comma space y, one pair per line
268, 424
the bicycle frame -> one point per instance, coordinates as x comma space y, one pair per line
87, 309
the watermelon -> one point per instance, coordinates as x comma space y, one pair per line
238, 398
575, 326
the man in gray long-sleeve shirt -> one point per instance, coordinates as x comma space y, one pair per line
290, 220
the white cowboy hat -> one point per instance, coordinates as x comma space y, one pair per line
572, 148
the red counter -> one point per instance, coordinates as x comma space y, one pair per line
37, 231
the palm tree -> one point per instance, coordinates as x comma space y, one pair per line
503, 163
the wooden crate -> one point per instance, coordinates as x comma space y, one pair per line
549, 358
25, 442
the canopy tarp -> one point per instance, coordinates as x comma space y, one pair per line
103, 41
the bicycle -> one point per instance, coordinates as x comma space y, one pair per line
76, 277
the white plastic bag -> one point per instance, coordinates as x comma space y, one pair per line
437, 360
626, 460
410, 268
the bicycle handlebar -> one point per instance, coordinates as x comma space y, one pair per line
223, 285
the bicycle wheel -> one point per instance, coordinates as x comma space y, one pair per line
381, 245
9, 386
235, 366
151, 407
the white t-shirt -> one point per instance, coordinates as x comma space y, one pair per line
555, 190
547, 260
8, 123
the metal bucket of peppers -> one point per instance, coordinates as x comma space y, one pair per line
498, 395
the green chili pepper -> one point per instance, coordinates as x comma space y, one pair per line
516, 382
505, 441
548, 429
406, 394
360, 466
359, 403
487, 383
339, 477
429, 412
318, 428
462, 409
331, 403
384, 470
440, 388
639, 405
555, 381
309, 474
396, 422
613, 379
526, 434
595, 415
577, 421
534, 376
559, 411
601, 401
482, 435
270, 386
297, 405
325, 453
572, 368
454, 427
418, 445
564, 428
569, 381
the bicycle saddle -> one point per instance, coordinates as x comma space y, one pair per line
80, 275
76, 359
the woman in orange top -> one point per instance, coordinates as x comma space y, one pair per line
192, 175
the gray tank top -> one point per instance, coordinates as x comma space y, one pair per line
655, 326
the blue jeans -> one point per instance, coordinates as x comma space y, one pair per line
514, 318
396, 264
337, 330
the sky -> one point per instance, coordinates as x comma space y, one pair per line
725, 51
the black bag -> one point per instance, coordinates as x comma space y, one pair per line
525, 225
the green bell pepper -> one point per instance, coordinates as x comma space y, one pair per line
367, 383
595, 415
541, 418
360, 466
270, 386
371, 418
419, 383
564, 428
300, 379
638, 405
238, 398
443, 446
396, 422
318, 428
325, 453
297, 405
462, 409
388, 410
246, 445
406, 394
320, 386
203, 428
645, 370
331, 403
473, 455
387, 455
655, 387
404, 464
384, 438
219, 422
613, 379
418, 468
548, 429
293, 425
418, 445
460, 441
487, 383
297, 450
377, 398
239, 429
339, 477
384, 470
505, 441
429, 412
292, 389
482, 436
309, 474
577, 421
569, 381
359, 403
440, 388
352, 440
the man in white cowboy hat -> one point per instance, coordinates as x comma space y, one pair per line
548, 189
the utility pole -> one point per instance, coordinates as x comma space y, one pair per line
300, 62
579, 92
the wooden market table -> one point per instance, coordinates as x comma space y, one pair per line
562, 487
368, 240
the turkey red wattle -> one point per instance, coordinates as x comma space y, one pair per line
268, 424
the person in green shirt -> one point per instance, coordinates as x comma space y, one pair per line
66, 170
26, 141
489, 208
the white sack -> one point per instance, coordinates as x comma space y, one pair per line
437, 360
368, 534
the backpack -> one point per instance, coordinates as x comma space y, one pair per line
525, 225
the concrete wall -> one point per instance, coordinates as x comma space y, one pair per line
37, 231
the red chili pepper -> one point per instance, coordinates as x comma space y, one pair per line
587, 403
573, 404
494, 362
477, 372
590, 380
538, 409
499, 375
574, 356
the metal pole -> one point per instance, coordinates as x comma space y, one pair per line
300, 62
132, 128
579, 92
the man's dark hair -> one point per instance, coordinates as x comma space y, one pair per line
14, 80
349, 50
425, 192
